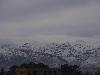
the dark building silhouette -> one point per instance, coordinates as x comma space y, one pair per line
36, 69
42, 71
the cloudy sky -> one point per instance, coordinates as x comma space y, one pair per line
49, 19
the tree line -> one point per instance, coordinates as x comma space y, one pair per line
66, 69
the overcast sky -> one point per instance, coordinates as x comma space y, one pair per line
49, 19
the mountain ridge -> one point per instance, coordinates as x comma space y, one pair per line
52, 54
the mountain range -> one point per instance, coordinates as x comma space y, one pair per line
53, 54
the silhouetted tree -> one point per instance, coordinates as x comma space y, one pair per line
2, 71
12, 70
97, 73
70, 70
87, 73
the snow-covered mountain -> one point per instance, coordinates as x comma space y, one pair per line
80, 52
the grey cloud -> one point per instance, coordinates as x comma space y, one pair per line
28, 18
15, 9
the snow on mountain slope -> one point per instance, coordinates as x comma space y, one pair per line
52, 54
